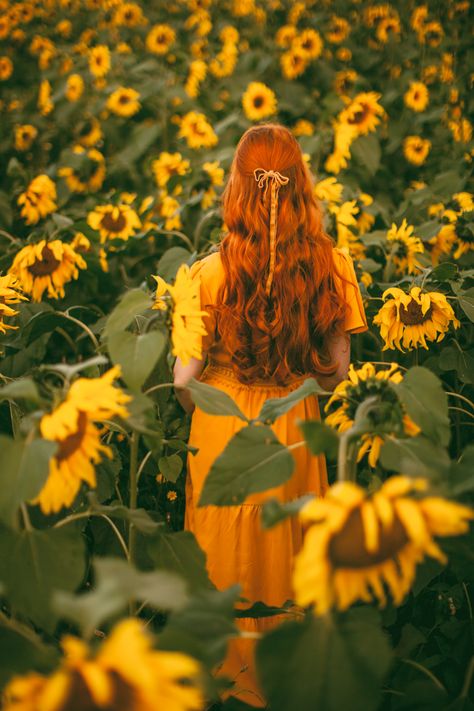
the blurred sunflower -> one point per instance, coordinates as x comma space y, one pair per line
126, 672
339, 29
363, 112
6, 68
197, 74
417, 97
45, 105
357, 543
99, 60
124, 102
197, 131
74, 87
89, 133
38, 200
344, 81
129, 14
404, 246
25, 134
431, 33
412, 319
160, 38
114, 221
10, 293
344, 135
303, 128
388, 29
167, 165
170, 209
46, 266
362, 384
461, 130
90, 175
416, 149
214, 171
309, 42
258, 101
442, 243
285, 36
329, 190
293, 63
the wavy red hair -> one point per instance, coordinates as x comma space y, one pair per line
283, 334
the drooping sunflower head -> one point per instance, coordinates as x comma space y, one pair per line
258, 101
10, 293
359, 546
410, 320
38, 200
46, 266
404, 246
364, 383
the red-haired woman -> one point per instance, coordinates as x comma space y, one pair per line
282, 302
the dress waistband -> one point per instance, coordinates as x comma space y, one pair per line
225, 372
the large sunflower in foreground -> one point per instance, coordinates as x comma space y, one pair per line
46, 266
187, 317
258, 101
38, 200
404, 247
114, 221
356, 543
409, 320
125, 673
10, 293
360, 385
72, 425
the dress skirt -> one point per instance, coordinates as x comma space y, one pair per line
238, 549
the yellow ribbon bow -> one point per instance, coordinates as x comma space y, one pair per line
264, 178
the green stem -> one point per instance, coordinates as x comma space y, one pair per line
26, 517
468, 679
133, 483
161, 386
426, 671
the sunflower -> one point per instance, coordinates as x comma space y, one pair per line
431, 33
129, 15
344, 81
167, 165
170, 209
409, 320
404, 246
160, 38
258, 101
417, 97
442, 243
197, 131
361, 385
91, 174
197, 74
461, 130
344, 135
126, 672
363, 112
339, 30
10, 293
24, 136
187, 322
224, 62
90, 133
214, 171
124, 102
293, 63
45, 105
464, 236
356, 542
329, 190
6, 68
38, 200
416, 149
99, 60
74, 87
285, 36
303, 128
46, 266
309, 42
114, 221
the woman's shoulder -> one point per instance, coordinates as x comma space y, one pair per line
209, 267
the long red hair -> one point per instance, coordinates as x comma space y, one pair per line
285, 333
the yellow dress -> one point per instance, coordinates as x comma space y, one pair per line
237, 548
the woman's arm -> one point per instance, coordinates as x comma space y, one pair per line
339, 347
182, 375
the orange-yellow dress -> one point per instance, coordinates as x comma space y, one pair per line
238, 549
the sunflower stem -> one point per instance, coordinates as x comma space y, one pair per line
133, 483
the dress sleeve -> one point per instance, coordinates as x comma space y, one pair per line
198, 274
356, 320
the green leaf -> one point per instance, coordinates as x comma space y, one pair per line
460, 473
136, 354
320, 438
131, 304
415, 456
454, 358
35, 563
425, 401
444, 271
179, 552
171, 466
116, 584
24, 388
254, 460
213, 400
331, 663
367, 151
171, 261
277, 406
274, 511
21, 651
139, 517
44, 322
24, 468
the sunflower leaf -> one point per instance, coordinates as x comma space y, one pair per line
277, 406
136, 354
425, 401
213, 401
131, 304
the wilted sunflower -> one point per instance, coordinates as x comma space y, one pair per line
417, 97
99, 60
409, 320
160, 38
10, 293
24, 136
357, 543
197, 131
124, 102
363, 112
46, 266
167, 165
416, 149
125, 673
72, 426
362, 384
258, 101
187, 323
90, 175
38, 200
404, 246
114, 221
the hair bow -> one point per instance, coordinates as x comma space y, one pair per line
265, 178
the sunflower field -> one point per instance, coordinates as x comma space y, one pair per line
118, 124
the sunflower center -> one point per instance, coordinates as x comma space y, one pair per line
258, 101
46, 265
347, 548
72, 442
413, 314
124, 99
113, 225
359, 116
